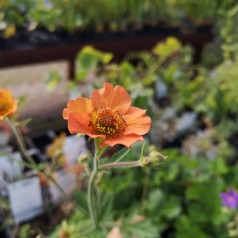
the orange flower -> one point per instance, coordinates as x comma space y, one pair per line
8, 104
108, 114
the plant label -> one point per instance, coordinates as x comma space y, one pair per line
10, 165
25, 199
73, 148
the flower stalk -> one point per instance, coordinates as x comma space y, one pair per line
91, 199
121, 165
20, 141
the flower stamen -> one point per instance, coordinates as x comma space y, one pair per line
107, 122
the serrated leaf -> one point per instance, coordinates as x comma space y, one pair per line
156, 199
120, 155
186, 229
219, 166
142, 229
171, 208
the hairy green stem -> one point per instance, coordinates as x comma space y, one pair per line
91, 207
91, 200
20, 140
121, 165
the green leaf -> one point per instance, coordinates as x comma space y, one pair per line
120, 155
186, 229
126, 68
106, 212
106, 57
219, 166
149, 79
81, 199
142, 229
206, 197
52, 80
81, 74
197, 214
22, 101
171, 208
155, 201
24, 122
89, 57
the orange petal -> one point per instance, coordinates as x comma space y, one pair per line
78, 123
65, 114
126, 140
82, 105
14, 107
115, 98
136, 121
8, 104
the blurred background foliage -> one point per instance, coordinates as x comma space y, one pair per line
113, 15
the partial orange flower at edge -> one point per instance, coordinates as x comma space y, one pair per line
8, 104
108, 114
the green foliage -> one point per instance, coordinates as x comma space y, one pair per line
141, 229
115, 15
228, 31
88, 58
52, 80
221, 102
186, 228
181, 199
25, 231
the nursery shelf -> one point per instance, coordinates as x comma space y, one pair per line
118, 43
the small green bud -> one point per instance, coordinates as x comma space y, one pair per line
154, 159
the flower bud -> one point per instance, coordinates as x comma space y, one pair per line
154, 159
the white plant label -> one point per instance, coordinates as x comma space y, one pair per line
73, 148
10, 166
10, 169
25, 199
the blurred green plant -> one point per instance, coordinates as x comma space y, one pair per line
106, 14
183, 198
179, 200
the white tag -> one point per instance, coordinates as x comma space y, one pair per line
25, 199
10, 166
66, 181
73, 148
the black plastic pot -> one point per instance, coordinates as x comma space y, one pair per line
41, 37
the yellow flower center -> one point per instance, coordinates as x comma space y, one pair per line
107, 122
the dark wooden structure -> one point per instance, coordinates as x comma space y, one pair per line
120, 47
